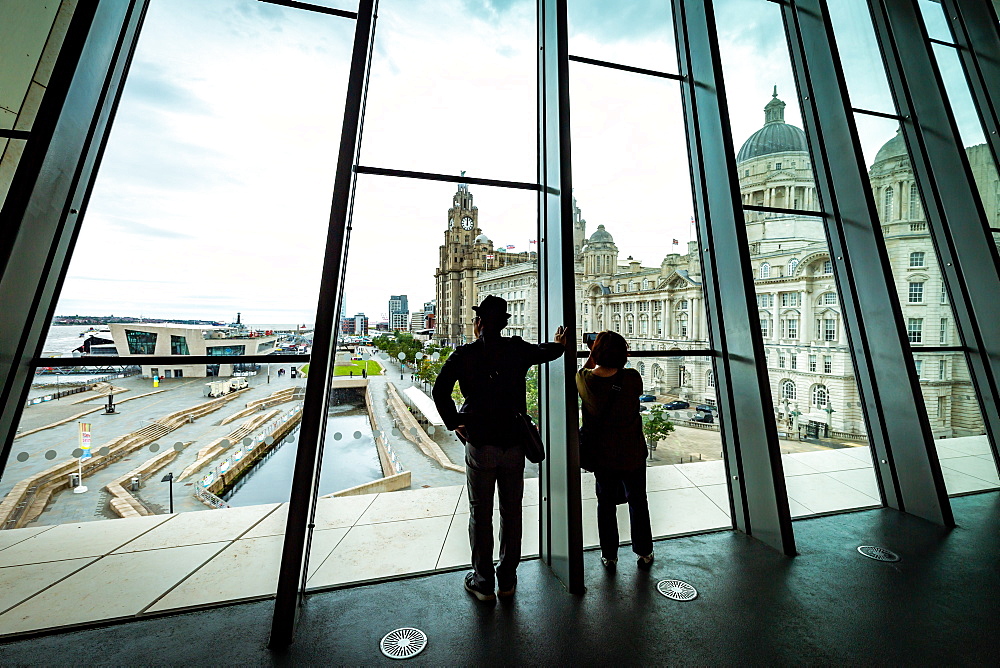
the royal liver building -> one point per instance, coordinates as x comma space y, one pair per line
812, 382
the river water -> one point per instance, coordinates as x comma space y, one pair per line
347, 462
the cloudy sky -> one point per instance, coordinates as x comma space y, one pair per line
215, 189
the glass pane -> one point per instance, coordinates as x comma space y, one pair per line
10, 155
817, 409
216, 203
165, 515
935, 20
639, 34
758, 75
949, 396
454, 89
684, 464
415, 277
860, 56
959, 431
984, 168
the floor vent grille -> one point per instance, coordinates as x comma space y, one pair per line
404, 643
878, 553
677, 590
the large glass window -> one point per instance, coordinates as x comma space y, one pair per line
822, 434
140, 343
178, 345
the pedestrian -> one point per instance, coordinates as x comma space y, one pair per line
613, 447
491, 373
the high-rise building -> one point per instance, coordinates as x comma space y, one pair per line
399, 313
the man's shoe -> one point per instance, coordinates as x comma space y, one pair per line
609, 564
645, 562
507, 593
470, 586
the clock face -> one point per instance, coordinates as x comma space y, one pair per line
467, 223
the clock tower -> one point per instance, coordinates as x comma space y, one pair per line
460, 259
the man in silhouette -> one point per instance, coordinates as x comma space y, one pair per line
491, 374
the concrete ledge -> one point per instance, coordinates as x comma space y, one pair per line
389, 483
406, 422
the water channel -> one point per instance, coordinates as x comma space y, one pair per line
349, 459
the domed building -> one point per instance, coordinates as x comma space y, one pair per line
660, 307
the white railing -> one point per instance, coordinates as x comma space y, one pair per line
244, 450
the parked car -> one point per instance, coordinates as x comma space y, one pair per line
704, 408
647, 397
676, 405
703, 417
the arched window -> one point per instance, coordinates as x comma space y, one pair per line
914, 201
645, 284
629, 325
820, 396
643, 325
787, 389
616, 323
765, 270
682, 325
794, 262
888, 204
618, 288
641, 368
710, 378
657, 325
829, 298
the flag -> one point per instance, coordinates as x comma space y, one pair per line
489, 257
675, 242
510, 246
85, 440
532, 241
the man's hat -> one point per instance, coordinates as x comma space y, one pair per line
491, 305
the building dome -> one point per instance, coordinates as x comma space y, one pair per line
776, 136
483, 239
600, 235
894, 148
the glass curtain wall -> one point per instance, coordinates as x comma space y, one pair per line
821, 429
636, 257
949, 395
450, 101
154, 486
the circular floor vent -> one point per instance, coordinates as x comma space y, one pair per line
878, 553
677, 590
404, 643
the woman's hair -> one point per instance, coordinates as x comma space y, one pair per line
610, 350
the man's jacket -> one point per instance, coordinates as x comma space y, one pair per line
490, 374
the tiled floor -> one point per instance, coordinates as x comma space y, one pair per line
77, 573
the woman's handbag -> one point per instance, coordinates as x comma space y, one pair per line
531, 440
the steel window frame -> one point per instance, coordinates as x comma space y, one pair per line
758, 496
41, 217
561, 513
294, 568
906, 463
956, 220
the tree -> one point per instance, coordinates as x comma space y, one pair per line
655, 425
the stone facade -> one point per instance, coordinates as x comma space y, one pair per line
807, 352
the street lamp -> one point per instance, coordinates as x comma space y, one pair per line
170, 478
